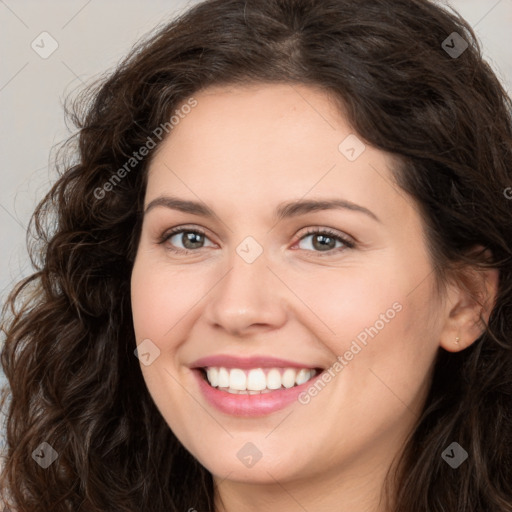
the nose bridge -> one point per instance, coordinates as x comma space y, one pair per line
248, 294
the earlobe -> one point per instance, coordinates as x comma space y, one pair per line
472, 299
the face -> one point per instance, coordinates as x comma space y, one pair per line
278, 259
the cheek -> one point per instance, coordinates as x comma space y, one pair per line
161, 296
161, 300
345, 303
381, 319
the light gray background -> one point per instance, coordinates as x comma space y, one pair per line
92, 36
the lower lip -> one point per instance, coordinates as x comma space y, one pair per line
250, 405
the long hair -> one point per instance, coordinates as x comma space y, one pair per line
68, 355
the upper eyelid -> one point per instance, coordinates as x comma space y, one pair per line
180, 229
318, 229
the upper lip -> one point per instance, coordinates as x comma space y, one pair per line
258, 361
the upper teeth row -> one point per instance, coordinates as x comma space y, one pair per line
257, 379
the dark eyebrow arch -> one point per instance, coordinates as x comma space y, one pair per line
301, 207
285, 210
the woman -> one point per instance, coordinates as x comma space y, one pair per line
295, 214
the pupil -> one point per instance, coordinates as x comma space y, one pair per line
192, 240
326, 242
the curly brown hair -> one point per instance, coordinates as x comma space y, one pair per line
69, 338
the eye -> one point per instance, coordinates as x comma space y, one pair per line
325, 240
190, 239
321, 240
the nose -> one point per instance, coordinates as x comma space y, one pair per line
250, 298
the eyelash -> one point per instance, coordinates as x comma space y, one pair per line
349, 244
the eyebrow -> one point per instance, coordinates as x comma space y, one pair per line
283, 211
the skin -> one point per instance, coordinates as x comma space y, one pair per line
294, 301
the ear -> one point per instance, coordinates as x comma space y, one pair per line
470, 299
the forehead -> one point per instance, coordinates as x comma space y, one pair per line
253, 115
273, 143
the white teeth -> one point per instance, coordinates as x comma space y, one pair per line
213, 376
302, 376
288, 378
237, 379
257, 380
273, 379
223, 381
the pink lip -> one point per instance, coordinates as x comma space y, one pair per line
227, 361
250, 405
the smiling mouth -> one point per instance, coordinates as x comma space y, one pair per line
256, 381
